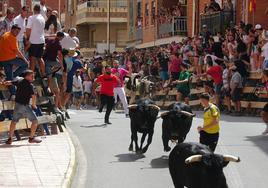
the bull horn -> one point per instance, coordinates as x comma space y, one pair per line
132, 106
194, 158
154, 106
187, 113
163, 114
230, 158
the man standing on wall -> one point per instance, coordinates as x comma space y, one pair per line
36, 35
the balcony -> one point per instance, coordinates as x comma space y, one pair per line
218, 21
177, 27
139, 34
96, 12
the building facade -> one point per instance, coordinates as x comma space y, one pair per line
156, 24
90, 19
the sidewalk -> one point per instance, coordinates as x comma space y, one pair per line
48, 164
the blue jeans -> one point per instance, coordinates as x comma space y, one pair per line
8, 67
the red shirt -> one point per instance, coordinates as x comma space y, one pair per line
108, 83
216, 73
175, 65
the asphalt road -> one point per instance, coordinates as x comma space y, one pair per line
105, 162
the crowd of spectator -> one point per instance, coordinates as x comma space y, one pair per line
213, 6
224, 61
38, 43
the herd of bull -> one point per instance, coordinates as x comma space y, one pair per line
190, 164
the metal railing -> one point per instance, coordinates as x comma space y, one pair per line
178, 26
218, 21
87, 44
103, 4
139, 34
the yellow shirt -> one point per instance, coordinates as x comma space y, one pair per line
210, 114
8, 46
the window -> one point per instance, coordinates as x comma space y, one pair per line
146, 14
153, 12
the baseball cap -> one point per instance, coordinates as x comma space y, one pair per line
258, 27
204, 26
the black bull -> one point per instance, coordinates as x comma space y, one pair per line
142, 116
195, 166
177, 122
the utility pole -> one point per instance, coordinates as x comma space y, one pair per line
59, 11
108, 25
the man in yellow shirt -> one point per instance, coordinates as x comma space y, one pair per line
10, 55
209, 132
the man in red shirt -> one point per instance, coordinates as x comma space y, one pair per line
108, 82
216, 73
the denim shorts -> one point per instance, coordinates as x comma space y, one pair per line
77, 94
164, 75
50, 65
265, 65
217, 88
23, 111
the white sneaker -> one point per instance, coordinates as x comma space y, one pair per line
13, 97
265, 132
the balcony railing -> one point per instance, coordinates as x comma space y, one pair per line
178, 26
103, 4
87, 44
218, 21
139, 34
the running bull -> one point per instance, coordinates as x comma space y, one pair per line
177, 122
194, 165
142, 116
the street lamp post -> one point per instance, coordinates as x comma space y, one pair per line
108, 25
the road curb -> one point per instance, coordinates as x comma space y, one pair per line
69, 175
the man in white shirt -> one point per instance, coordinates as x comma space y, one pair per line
70, 40
43, 9
36, 35
20, 20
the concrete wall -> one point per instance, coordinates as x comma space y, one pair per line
149, 31
85, 33
259, 16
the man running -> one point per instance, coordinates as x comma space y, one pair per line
108, 82
209, 131
119, 90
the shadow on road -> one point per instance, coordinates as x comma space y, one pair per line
260, 141
94, 126
129, 157
233, 119
161, 162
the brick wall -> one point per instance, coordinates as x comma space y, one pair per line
149, 30
259, 18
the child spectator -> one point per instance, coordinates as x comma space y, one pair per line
87, 86
183, 84
236, 89
77, 89
226, 87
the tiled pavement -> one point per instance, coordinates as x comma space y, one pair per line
37, 165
